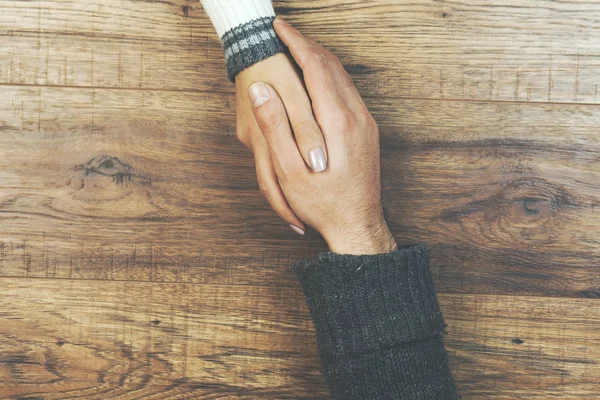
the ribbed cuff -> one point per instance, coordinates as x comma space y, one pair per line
368, 303
378, 324
245, 28
247, 44
415, 371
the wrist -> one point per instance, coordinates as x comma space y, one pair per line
368, 239
266, 70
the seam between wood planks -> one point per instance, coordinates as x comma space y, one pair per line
152, 89
280, 286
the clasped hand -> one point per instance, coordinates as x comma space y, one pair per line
316, 145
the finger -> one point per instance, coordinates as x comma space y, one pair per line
271, 116
245, 122
312, 58
323, 71
309, 138
269, 187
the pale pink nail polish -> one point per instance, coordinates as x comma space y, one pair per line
259, 94
297, 230
317, 160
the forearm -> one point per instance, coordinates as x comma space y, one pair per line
246, 31
378, 325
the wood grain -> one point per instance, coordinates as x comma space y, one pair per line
215, 341
508, 175
138, 259
509, 50
96, 340
511, 347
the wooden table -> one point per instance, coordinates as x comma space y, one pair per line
139, 261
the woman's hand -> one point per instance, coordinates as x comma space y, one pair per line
343, 203
281, 73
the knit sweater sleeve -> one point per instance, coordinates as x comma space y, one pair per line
378, 324
245, 28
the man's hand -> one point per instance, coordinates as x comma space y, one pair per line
343, 203
281, 73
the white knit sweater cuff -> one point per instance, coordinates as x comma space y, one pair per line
246, 31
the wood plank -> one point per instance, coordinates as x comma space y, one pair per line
162, 340
144, 340
510, 347
504, 216
512, 50
187, 207
138, 260
508, 202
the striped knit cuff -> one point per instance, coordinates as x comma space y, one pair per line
245, 28
247, 44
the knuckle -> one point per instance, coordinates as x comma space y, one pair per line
345, 119
337, 65
329, 85
244, 139
373, 125
241, 134
331, 58
305, 128
345, 78
269, 121
318, 58
364, 117
291, 172
367, 119
263, 186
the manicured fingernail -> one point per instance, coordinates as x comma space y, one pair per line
259, 94
316, 158
297, 230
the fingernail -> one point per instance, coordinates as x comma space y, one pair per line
316, 158
281, 21
259, 94
297, 230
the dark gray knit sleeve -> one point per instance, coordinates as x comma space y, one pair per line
378, 324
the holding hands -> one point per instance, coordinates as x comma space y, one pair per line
317, 153
279, 72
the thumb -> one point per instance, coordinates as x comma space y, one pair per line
271, 116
